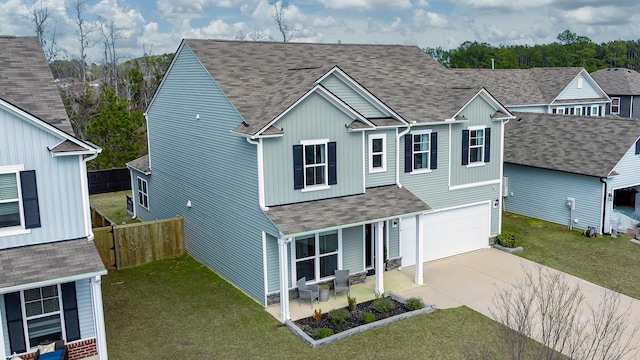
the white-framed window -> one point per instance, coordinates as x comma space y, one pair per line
560, 110
11, 216
377, 153
316, 255
43, 318
143, 193
476, 145
315, 163
595, 110
615, 105
578, 110
421, 150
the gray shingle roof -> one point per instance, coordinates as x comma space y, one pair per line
262, 79
141, 164
376, 204
27, 82
522, 86
577, 144
30, 264
618, 81
67, 146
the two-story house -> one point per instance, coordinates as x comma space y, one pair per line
623, 86
564, 90
291, 160
50, 270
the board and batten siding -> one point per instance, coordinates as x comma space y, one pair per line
351, 97
572, 91
58, 181
478, 112
5, 327
628, 169
394, 239
387, 177
85, 309
312, 119
542, 194
202, 161
353, 249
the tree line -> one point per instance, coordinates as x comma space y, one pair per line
570, 50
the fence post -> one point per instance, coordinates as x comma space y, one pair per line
116, 247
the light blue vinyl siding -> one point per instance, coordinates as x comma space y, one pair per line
387, 177
142, 213
313, 119
353, 249
542, 194
85, 309
352, 98
5, 329
628, 170
58, 181
273, 265
205, 163
588, 91
394, 240
541, 109
477, 112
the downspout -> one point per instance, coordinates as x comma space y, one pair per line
398, 137
85, 195
604, 204
261, 199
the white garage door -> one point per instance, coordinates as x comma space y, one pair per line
447, 233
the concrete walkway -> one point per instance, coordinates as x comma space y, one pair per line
473, 279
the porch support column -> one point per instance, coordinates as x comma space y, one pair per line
379, 228
98, 313
419, 249
284, 278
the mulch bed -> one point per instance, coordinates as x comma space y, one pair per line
309, 325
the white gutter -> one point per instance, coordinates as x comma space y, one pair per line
398, 136
85, 194
261, 199
62, 280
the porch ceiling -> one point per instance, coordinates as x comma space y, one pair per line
375, 204
44, 262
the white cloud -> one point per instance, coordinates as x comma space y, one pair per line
427, 19
396, 26
422, 3
590, 15
328, 21
364, 5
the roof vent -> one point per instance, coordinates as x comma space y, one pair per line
56, 121
244, 123
306, 67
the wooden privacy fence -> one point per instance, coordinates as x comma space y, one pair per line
98, 219
104, 181
123, 246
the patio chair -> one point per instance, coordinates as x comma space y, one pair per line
341, 283
307, 291
60, 352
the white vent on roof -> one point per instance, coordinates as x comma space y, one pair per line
579, 83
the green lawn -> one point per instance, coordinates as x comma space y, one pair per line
606, 261
179, 309
113, 205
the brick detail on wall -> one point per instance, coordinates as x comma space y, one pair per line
82, 349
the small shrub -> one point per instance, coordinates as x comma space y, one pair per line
368, 318
339, 316
382, 305
507, 239
414, 303
317, 314
352, 303
323, 333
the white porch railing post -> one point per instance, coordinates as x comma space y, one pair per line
284, 278
2, 349
419, 249
379, 228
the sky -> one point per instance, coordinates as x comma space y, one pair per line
157, 26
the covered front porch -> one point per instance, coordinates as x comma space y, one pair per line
318, 237
395, 281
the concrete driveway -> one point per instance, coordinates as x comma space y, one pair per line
474, 278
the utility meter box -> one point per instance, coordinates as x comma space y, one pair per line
571, 203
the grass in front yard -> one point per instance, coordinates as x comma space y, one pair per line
179, 309
606, 261
113, 205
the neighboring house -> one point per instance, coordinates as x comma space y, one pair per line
570, 91
575, 171
49, 268
292, 160
623, 86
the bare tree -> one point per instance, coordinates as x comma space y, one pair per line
39, 16
287, 30
545, 307
83, 35
110, 33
